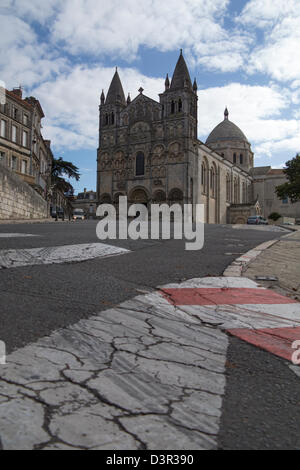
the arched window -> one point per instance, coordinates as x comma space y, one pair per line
179, 105
172, 107
106, 119
244, 190
241, 159
204, 177
112, 118
213, 181
228, 188
140, 164
234, 158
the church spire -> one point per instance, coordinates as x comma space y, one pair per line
102, 98
195, 86
115, 92
226, 113
167, 82
181, 77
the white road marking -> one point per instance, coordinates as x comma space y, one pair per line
17, 235
58, 254
139, 364
146, 372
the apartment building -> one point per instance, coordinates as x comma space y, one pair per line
22, 146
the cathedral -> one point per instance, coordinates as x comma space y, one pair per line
149, 151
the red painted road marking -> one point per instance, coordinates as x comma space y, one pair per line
275, 340
224, 296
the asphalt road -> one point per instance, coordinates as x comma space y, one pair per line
260, 409
35, 300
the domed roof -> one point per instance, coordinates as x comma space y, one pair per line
226, 130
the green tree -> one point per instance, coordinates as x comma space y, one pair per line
291, 188
61, 168
274, 216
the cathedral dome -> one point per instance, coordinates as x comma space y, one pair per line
226, 131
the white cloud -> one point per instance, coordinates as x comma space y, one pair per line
23, 59
280, 22
245, 103
32, 10
257, 111
290, 145
265, 13
120, 28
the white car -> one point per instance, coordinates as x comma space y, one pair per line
78, 214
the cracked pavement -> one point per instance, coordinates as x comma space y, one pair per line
139, 376
145, 373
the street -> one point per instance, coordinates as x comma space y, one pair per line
239, 397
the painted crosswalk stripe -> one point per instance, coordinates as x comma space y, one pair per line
145, 373
278, 341
58, 254
17, 235
252, 313
232, 296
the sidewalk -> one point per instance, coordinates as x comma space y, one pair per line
30, 221
280, 260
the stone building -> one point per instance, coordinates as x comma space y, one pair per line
150, 152
265, 180
87, 200
22, 147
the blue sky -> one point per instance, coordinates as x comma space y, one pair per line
244, 55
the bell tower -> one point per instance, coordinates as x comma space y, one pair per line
179, 100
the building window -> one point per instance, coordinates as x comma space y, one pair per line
241, 159
179, 105
14, 163
140, 164
24, 167
285, 200
228, 188
2, 156
25, 139
234, 158
204, 177
3, 128
14, 134
112, 118
172, 107
25, 119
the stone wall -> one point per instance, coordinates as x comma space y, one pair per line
17, 199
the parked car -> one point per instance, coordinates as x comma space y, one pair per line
78, 214
257, 220
57, 213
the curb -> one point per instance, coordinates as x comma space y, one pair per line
236, 268
30, 221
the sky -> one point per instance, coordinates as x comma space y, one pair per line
243, 54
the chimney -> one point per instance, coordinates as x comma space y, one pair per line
18, 92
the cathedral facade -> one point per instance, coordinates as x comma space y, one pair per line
150, 152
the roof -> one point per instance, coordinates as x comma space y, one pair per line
18, 99
181, 76
115, 92
260, 170
225, 131
275, 171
